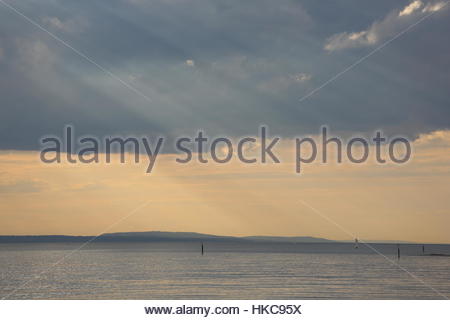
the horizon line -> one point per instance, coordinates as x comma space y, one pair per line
228, 236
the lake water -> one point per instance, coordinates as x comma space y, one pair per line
226, 271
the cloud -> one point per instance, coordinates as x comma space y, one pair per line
86, 187
434, 7
53, 22
22, 186
34, 54
435, 139
392, 24
251, 67
301, 77
70, 25
190, 63
413, 6
282, 84
351, 40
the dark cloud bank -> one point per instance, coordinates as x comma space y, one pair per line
222, 66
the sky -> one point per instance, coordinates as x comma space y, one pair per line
173, 67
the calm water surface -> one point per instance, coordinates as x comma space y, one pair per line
226, 271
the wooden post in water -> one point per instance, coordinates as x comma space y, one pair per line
423, 249
202, 249
398, 252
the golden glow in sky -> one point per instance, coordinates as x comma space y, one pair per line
375, 202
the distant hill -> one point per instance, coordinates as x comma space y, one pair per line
164, 236
154, 236
286, 239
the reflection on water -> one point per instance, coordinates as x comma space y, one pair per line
226, 271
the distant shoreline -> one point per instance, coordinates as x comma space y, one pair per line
154, 236
159, 236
